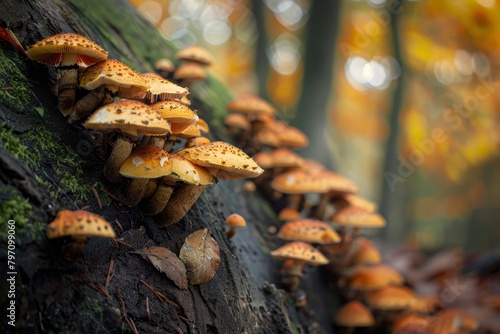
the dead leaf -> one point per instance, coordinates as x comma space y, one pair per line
166, 262
200, 253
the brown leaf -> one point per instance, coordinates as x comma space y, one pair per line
200, 254
166, 262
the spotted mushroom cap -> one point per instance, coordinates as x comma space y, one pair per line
283, 157
191, 131
79, 223
51, 49
129, 117
309, 230
340, 202
390, 298
251, 104
186, 171
223, 159
147, 162
235, 220
357, 217
300, 251
195, 53
162, 89
111, 72
354, 314
178, 114
299, 182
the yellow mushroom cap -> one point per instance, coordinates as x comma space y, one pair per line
131, 85
186, 171
50, 49
289, 136
197, 141
163, 89
147, 162
195, 53
354, 314
289, 214
299, 182
283, 157
129, 117
202, 126
164, 65
237, 121
178, 114
309, 230
390, 298
367, 278
300, 251
222, 156
357, 217
235, 220
340, 202
190, 72
251, 104
79, 223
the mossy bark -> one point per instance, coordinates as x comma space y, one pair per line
48, 164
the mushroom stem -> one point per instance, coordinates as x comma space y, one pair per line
231, 232
291, 276
88, 103
179, 204
150, 188
122, 149
135, 192
158, 201
320, 209
68, 84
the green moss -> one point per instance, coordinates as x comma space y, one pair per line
65, 163
16, 208
14, 87
14, 146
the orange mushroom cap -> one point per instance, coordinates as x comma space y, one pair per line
354, 314
309, 230
79, 223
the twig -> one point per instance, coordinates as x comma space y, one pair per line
158, 295
117, 222
121, 242
7, 88
109, 276
94, 190
98, 288
132, 326
110, 194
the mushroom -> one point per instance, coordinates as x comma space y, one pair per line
300, 253
189, 73
183, 171
67, 51
118, 80
371, 278
411, 322
234, 221
354, 314
390, 298
453, 320
340, 202
164, 67
195, 54
180, 117
130, 118
79, 225
365, 253
251, 105
357, 218
308, 230
160, 89
144, 164
196, 141
223, 160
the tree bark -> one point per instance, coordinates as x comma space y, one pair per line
48, 164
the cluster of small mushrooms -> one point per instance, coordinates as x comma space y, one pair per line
321, 223
146, 114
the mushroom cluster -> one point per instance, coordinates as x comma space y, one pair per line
322, 222
145, 114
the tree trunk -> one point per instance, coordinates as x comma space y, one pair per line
48, 164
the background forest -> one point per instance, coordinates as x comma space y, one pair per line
400, 96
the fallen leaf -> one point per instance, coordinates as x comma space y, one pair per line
166, 262
200, 254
